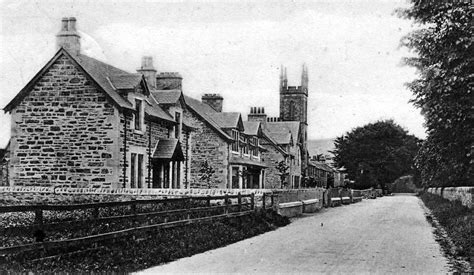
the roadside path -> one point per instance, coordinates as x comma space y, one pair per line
386, 235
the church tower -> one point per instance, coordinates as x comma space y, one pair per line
294, 99
294, 107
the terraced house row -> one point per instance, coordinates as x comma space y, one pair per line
83, 123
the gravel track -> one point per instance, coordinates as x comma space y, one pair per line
386, 235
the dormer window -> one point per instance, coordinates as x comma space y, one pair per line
138, 116
235, 137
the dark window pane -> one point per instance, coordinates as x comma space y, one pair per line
138, 114
140, 171
132, 170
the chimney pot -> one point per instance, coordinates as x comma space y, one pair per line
64, 24
68, 37
72, 24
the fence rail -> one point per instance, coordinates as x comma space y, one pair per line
184, 214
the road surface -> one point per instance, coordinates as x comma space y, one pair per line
386, 235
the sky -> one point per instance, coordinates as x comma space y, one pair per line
236, 49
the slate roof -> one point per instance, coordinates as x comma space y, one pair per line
100, 71
125, 81
108, 78
204, 111
251, 128
166, 96
153, 109
168, 149
321, 166
284, 126
227, 119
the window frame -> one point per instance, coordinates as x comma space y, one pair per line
235, 144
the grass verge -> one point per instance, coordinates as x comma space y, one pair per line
146, 250
456, 220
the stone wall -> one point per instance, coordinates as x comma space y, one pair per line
463, 194
271, 157
300, 105
142, 142
64, 133
208, 146
46, 195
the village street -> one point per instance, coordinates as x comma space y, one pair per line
386, 235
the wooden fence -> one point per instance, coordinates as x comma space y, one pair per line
216, 208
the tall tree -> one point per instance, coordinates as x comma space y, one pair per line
376, 154
443, 90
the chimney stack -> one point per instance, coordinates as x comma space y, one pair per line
68, 38
213, 100
257, 114
148, 71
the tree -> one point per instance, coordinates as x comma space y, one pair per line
376, 154
283, 171
207, 172
443, 90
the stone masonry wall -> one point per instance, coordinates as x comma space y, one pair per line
144, 142
271, 157
64, 133
300, 101
208, 146
138, 142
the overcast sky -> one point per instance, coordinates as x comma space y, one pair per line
234, 48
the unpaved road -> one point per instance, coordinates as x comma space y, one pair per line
386, 235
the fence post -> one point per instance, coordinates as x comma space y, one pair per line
188, 212
252, 201
272, 197
39, 216
226, 209
95, 212
263, 201
239, 201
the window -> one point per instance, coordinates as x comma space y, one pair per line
177, 128
245, 145
235, 137
133, 179
140, 171
255, 145
136, 170
138, 114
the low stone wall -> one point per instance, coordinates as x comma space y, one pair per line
463, 194
34, 195
292, 195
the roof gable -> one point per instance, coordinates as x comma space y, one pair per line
94, 69
252, 128
228, 120
203, 110
168, 96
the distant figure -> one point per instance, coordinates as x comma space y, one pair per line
39, 235
321, 224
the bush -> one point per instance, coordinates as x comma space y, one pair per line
456, 220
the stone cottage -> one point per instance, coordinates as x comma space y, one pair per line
226, 143
84, 123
